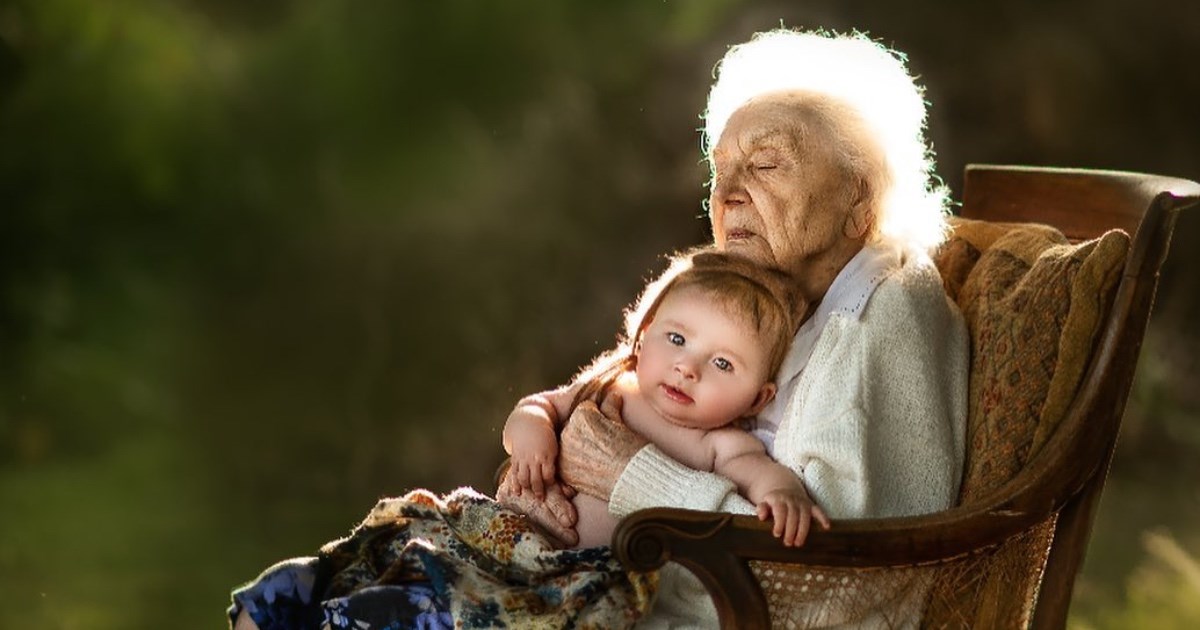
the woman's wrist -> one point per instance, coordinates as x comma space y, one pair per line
595, 449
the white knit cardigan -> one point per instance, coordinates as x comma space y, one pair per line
875, 427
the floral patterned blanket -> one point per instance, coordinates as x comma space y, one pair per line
491, 564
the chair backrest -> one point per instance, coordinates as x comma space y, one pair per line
1069, 473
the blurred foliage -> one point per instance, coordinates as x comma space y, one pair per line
1163, 592
263, 262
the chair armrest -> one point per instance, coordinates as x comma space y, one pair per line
717, 547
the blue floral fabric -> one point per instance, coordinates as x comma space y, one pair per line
282, 599
422, 561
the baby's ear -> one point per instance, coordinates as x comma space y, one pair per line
765, 396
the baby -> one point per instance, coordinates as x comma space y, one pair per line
699, 354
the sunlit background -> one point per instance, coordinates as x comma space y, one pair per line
264, 262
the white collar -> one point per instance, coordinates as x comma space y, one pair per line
846, 297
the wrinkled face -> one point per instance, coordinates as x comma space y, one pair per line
699, 367
779, 197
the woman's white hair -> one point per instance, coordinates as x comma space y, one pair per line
873, 81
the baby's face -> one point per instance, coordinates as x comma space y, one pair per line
699, 366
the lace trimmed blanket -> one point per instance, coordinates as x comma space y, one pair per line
492, 565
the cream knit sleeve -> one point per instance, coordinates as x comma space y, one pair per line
652, 479
915, 394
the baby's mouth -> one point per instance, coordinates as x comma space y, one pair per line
677, 395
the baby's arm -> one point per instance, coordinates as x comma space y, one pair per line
774, 488
531, 438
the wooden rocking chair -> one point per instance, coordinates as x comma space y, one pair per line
1009, 556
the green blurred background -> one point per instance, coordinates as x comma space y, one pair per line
264, 262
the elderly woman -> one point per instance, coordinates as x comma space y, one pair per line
820, 168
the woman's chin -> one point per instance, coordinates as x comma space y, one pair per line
750, 248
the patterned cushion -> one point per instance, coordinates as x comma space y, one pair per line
1034, 305
957, 257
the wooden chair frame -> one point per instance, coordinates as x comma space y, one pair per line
1066, 477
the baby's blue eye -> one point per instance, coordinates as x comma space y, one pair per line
723, 364
675, 338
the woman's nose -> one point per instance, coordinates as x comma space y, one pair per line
729, 191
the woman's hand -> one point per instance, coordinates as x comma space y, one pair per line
596, 446
793, 512
555, 513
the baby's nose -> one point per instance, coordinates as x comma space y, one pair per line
686, 368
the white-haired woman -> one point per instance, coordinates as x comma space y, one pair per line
820, 168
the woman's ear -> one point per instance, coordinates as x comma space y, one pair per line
861, 215
765, 395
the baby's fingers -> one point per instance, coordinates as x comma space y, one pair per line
779, 513
821, 517
790, 521
797, 526
548, 473
535, 481
520, 472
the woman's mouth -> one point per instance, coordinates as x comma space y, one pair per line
738, 234
677, 395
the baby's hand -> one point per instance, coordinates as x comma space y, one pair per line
533, 456
793, 512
